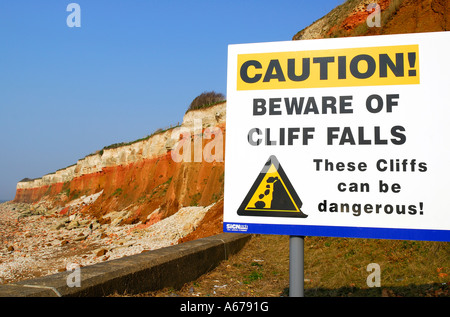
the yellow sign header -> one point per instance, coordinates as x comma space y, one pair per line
366, 66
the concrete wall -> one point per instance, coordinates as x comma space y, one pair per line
149, 271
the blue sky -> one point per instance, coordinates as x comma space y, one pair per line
132, 67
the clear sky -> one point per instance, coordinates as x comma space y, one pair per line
132, 67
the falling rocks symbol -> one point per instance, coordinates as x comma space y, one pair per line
272, 194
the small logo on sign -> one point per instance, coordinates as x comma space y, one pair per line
237, 227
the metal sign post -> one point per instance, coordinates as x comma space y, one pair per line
296, 266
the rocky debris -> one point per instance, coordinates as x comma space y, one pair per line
85, 200
341, 20
101, 252
39, 241
45, 207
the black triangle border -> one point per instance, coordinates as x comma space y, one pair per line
242, 212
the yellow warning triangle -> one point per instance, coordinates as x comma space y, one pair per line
272, 194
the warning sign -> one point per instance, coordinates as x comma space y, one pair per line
272, 194
368, 66
360, 127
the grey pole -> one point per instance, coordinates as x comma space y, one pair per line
296, 273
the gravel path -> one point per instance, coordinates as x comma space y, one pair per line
38, 242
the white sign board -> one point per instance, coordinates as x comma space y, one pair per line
340, 137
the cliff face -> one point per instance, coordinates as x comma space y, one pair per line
143, 176
396, 16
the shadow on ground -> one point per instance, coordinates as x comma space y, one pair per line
412, 290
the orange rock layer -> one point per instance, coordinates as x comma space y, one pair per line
144, 186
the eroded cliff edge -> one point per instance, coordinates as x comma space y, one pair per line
396, 16
143, 177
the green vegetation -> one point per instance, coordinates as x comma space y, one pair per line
48, 191
205, 100
26, 179
167, 182
66, 189
121, 144
253, 276
66, 167
166, 186
117, 145
195, 199
75, 194
215, 197
161, 190
117, 192
332, 266
387, 14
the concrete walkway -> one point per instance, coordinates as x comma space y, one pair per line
149, 271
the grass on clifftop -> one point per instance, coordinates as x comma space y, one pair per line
333, 267
205, 100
